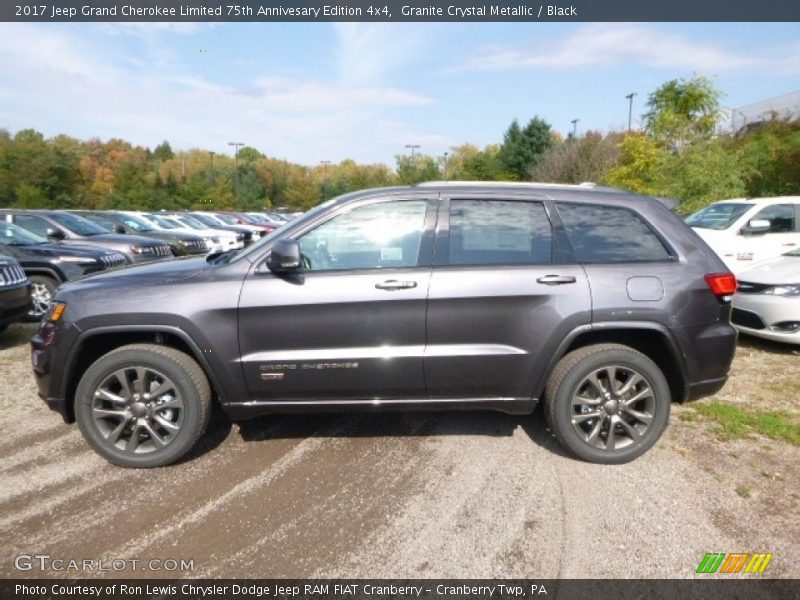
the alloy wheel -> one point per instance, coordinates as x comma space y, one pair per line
137, 410
612, 408
40, 298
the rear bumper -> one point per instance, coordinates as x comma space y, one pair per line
709, 387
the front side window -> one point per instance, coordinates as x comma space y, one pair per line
77, 224
499, 232
609, 234
780, 217
376, 236
33, 224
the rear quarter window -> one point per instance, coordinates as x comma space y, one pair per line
610, 234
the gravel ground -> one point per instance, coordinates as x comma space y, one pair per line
403, 495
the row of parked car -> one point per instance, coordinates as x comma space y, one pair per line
41, 249
759, 241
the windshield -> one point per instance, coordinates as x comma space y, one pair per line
281, 232
227, 219
207, 219
193, 223
163, 222
12, 235
717, 216
77, 224
135, 223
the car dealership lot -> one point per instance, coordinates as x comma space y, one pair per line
403, 495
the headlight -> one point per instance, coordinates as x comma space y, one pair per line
239, 237
142, 249
78, 260
213, 240
792, 289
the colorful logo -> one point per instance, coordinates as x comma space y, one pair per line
741, 562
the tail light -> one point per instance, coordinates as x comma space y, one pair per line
722, 285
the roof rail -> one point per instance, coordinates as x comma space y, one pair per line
533, 184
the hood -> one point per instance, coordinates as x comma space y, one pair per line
67, 250
124, 238
154, 273
775, 271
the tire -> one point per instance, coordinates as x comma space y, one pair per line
601, 423
43, 289
127, 425
3, 328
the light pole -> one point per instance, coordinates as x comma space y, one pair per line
630, 108
574, 128
325, 164
236, 145
413, 155
445, 167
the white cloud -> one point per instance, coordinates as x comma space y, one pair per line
58, 81
611, 45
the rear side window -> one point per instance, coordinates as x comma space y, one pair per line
608, 234
498, 232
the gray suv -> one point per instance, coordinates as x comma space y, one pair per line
601, 304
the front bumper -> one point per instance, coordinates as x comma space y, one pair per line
15, 302
759, 315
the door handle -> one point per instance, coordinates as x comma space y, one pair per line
394, 284
556, 279
790, 244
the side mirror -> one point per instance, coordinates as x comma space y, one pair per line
120, 229
757, 226
285, 256
56, 234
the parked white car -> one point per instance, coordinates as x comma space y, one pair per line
746, 231
767, 302
216, 240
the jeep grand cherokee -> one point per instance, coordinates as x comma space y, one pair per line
600, 303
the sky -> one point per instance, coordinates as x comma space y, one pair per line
308, 92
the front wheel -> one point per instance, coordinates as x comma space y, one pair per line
143, 405
607, 403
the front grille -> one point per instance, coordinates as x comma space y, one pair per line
198, 245
161, 251
12, 275
112, 261
745, 318
747, 287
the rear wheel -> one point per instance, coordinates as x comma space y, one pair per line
43, 289
607, 403
143, 405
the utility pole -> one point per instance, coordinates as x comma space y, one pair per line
413, 155
445, 167
574, 128
236, 145
630, 108
325, 164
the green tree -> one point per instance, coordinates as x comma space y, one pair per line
641, 165
770, 158
163, 151
523, 147
682, 111
421, 168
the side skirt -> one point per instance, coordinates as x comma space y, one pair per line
247, 410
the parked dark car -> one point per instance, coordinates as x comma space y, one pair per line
62, 226
48, 265
181, 244
15, 292
600, 303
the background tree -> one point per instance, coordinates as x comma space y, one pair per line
588, 158
682, 111
523, 147
421, 168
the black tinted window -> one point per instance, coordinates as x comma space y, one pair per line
486, 232
780, 217
36, 225
603, 234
